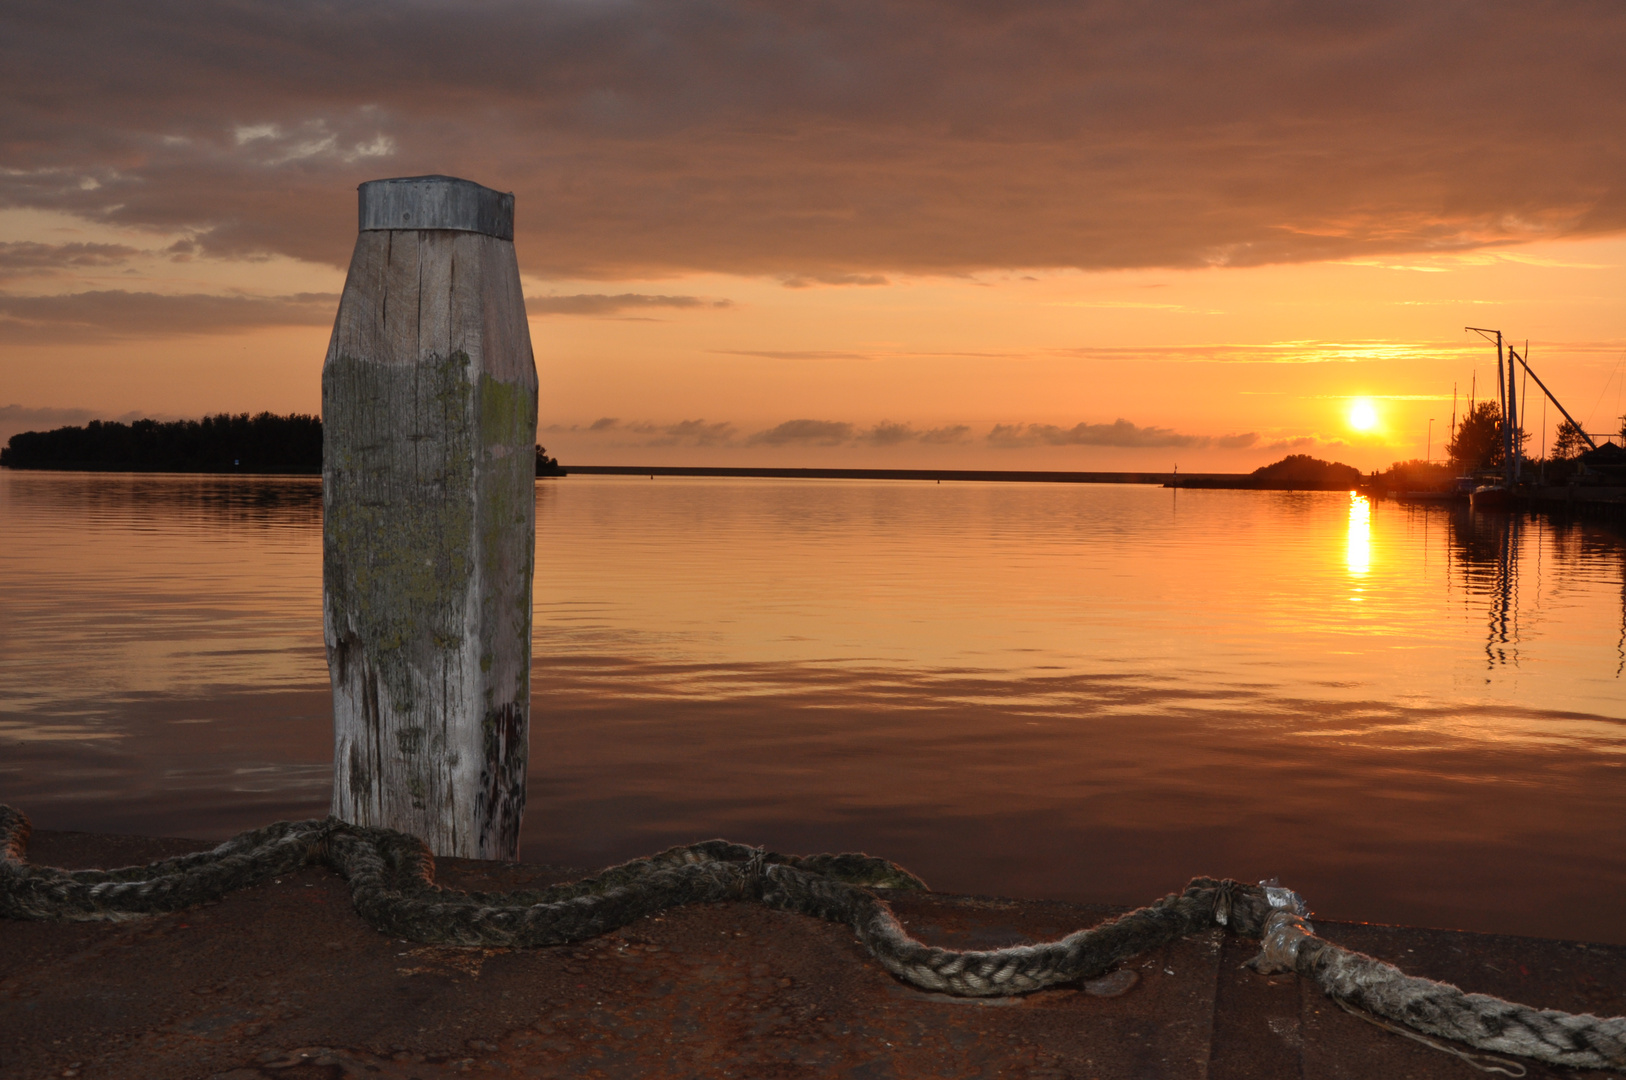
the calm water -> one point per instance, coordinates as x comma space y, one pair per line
1090, 692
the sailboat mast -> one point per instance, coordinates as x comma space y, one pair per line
1507, 393
1504, 391
1510, 428
1453, 431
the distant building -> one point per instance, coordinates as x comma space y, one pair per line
1605, 465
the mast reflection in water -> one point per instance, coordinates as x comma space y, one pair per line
1569, 558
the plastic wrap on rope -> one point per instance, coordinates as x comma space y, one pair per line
1289, 944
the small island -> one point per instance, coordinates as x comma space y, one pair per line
1295, 472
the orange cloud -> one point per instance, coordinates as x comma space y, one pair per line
600, 304
1118, 433
116, 314
28, 258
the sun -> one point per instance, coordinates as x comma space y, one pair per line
1363, 415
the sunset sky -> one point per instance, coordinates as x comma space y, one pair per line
1075, 235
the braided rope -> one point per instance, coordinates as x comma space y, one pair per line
1289, 944
392, 884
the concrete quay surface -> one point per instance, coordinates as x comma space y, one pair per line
285, 980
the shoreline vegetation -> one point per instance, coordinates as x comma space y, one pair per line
259, 444
266, 443
225, 442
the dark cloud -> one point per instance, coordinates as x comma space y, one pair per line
12, 415
694, 433
15, 418
115, 314
942, 436
807, 281
804, 433
1119, 433
789, 433
841, 140
26, 259
649, 433
600, 304
888, 433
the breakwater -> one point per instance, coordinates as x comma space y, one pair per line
1043, 476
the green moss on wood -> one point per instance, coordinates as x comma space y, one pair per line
399, 511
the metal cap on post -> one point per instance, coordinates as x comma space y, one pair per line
435, 202
428, 512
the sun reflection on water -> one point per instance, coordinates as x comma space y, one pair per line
921, 670
1359, 553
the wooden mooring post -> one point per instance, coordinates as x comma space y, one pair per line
428, 519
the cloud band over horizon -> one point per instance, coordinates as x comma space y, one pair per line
807, 432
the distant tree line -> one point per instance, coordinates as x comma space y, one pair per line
1478, 445
225, 442
1572, 443
1295, 472
1479, 441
